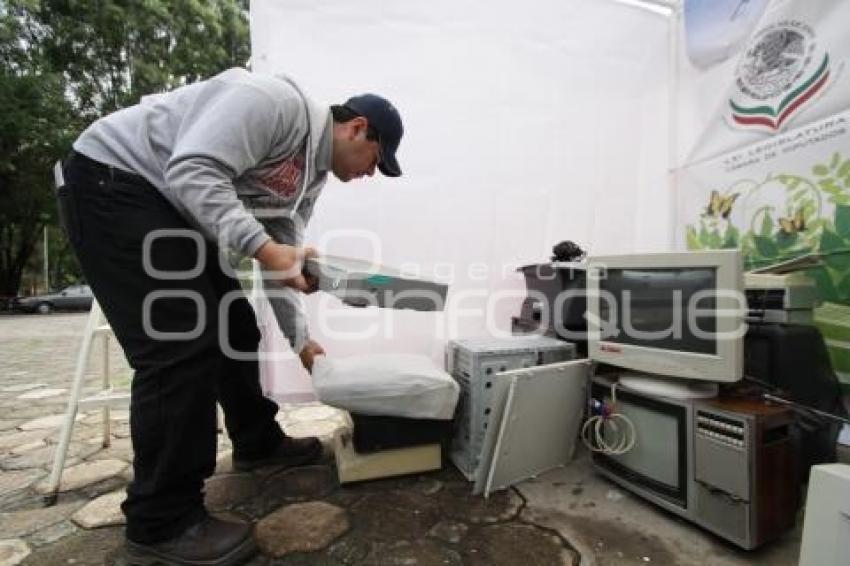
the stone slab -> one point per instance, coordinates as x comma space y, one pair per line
228, 490
22, 387
13, 481
323, 429
82, 548
23, 523
103, 511
313, 413
85, 474
457, 502
300, 484
398, 514
11, 440
51, 421
351, 549
28, 447
301, 527
38, 458
421, 553
515, 543
7, 424
43, 457
448, 531
13, 552
119, 449
42, 394
51, 534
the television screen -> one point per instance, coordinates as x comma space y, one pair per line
649, 307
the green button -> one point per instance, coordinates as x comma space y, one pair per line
378, 280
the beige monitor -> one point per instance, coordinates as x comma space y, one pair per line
674, 314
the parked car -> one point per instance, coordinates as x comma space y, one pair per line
75, 297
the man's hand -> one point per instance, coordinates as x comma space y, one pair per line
309, 352
286, 262
311, 281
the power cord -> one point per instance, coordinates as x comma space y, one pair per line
619, 425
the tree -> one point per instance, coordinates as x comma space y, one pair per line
33, 116
67, 62
114, 51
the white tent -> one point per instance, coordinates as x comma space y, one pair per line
525, 124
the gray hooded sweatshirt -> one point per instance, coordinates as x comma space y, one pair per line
243, 157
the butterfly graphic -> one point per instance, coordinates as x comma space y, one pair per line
797, 223
719, 206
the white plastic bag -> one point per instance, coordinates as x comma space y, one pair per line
396, 385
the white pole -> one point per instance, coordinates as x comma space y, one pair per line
674, 43
46, 281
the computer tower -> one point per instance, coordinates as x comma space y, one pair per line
476, 364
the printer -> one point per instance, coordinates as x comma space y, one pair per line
788, 298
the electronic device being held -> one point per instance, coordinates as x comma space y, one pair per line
360, 283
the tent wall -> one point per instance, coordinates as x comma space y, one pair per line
526, 124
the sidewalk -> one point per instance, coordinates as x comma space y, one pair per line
563, 517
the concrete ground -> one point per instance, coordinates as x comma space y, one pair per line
566, 516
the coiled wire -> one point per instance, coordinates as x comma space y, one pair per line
622, 429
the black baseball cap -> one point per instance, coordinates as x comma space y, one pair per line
386, 121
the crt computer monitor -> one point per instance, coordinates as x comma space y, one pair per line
671, 314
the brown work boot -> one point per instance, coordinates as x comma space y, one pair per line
211, 542
289, 453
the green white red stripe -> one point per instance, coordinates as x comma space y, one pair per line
773, 118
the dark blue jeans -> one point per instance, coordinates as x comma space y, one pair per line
181, 368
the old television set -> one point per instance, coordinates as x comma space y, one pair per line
669, 314
672, 326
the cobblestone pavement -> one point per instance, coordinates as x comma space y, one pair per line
421, 519
302, 515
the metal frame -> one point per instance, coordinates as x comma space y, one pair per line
106, 398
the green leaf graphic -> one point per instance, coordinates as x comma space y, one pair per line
710, 240
842, 221
839, 261
831, 242
766, 225
826, 288
820, 170
836, 159
818, 224
766, 247
730, 240
844, 170
785, 241
692, 239
809, 206
843, 288
790, 182
829, 186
